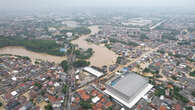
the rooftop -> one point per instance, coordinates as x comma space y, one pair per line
134, 81
93, 71
128, 88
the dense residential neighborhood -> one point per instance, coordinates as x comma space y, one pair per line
98, 62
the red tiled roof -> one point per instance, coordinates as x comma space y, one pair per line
99, 105
170, 86
81, 91
52, 98
38, 108
33, 94
33, 83
96, 108
8, 96
83, 95
190, 103
157, 63
163, 108
94, 93
22, 84
103, 100
100, 95
73, 104
139, 107
77, 100
108, 104
177, 107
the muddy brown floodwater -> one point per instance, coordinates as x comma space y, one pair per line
102, 56
17, 50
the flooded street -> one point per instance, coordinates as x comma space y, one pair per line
102, 56
16, 50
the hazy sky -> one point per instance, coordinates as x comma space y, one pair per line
37, 4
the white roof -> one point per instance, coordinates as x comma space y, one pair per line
14, 78
14, 93
162, 97
118, 73
193, 107
77, 76
122, 108
43, 79
135, 100
93, 71
15, 71
56, 84
95, 99
77, 72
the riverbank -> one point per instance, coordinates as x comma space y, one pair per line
17, 50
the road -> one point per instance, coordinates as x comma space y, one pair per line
158, 24
70, 80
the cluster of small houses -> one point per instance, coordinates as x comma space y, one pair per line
25, 85
98, 100
32, 86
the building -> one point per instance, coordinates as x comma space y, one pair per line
93, 71
69, 34
128, 88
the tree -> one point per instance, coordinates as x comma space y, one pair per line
174, 77
46, 46
146, 70
64, 65
178, 96
1, 104
118, 60
110, 108
193, 93
48, 107
192, 73
159, 91
64, 89
143, 37
42, 92
188, 108
85, 54
86, 104
81, 63
38, 85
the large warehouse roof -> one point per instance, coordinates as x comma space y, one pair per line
134, 82
128, 89
93, 71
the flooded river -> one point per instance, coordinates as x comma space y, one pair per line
16, 50
102, 55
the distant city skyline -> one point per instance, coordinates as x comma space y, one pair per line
48, 4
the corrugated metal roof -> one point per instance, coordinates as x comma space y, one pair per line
130, 84
93, 71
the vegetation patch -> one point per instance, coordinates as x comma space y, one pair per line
45, 46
